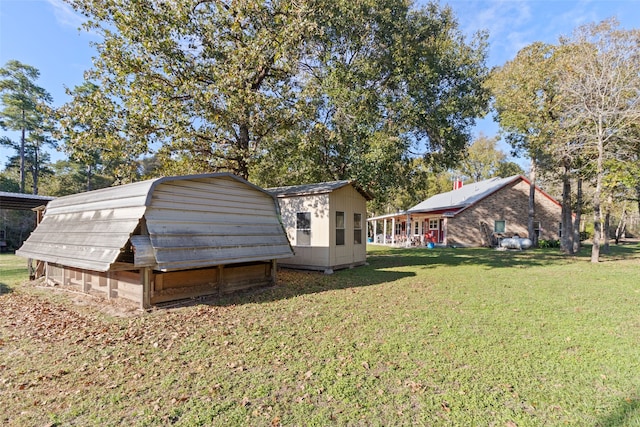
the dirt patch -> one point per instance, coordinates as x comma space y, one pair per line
112, 307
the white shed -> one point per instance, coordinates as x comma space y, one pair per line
162, 239
325, 223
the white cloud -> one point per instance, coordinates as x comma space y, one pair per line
65, 15
510, 24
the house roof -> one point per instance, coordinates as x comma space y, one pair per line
318, 188
21, 201
171, 223
463, 197
453, 202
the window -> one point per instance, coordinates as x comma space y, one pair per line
339, 228
433, 224
357, 228
499, 226
417, 228
399, 227
303, 228
560, 230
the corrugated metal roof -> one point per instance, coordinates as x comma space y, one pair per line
317, 188
192, 221
463, 197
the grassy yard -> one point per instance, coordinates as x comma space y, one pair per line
418, 337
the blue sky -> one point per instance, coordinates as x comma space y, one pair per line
44, 34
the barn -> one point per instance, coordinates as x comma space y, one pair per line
163, 239
325, 223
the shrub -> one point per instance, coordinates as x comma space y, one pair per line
549, 243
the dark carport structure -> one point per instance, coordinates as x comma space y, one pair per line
19, 201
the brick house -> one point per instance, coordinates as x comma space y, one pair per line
476, 214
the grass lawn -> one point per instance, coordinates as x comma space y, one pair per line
455, 337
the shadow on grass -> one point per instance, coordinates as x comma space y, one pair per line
294, 283
626, 414
390, 264
491, 258
488, 258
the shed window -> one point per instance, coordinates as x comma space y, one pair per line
499, 226
303, 228
357, 228
433, 224
339, 228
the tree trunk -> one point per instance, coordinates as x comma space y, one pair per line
621, 225
243, 152
22, 144
532, 204
35, 170
605, 229
607, 224
566, 240
638, 196
597, 207
577, 223
89, 174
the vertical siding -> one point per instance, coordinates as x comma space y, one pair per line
348, 200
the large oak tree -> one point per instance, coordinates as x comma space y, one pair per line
286, 91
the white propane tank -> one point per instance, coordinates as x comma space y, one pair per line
516, 243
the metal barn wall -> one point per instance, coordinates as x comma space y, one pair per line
192, 222
211, 233
207, 222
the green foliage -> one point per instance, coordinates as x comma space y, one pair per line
545, 102
546, 244
482, 160
8, 184
284, 92
506, 169
70, 178
25, 108
207, 81
36, 165
602, 59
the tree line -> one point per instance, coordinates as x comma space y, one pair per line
574, 109
288, 92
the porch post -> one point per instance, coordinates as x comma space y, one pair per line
444, 231
393, 230
409, 230
384, 232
